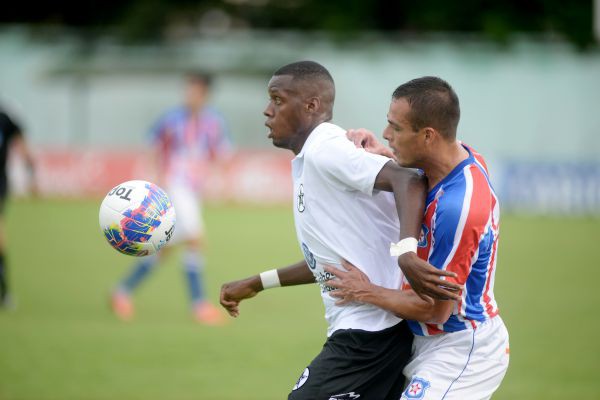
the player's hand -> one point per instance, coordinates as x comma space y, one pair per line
351, 284
426, 280
364, 138
232, 293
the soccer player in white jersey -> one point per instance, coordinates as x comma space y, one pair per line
461, 347
340, 213
185, 140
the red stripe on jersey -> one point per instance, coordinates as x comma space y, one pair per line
432, 329
478, 157
477, 218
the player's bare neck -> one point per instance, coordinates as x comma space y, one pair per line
443, 161
301, 138
296, 147
195, 108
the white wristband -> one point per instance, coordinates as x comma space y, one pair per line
403, 246
270, 279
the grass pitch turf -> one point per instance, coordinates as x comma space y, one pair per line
62, 342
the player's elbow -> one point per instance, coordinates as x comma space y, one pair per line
437, 319
431, 314
440, 312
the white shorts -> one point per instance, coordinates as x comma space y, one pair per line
189, 223
465, 365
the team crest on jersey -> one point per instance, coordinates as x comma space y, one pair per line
423, 236
416, 388
308, 256
301, 206
345, 396
302, 380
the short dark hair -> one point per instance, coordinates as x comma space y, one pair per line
201, 77
432, 103
305, 70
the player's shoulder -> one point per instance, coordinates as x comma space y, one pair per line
328, 136
4, 118
477, 157
7, 124
173, 113
465, 198
212, 111
327, 143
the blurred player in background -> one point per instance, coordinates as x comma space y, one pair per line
460, 348
341, 212
186, 140
12, 139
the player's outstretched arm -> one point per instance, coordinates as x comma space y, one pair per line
232, 293
409, 188
354, 285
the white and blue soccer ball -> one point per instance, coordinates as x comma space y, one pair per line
137, 218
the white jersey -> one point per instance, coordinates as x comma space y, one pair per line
338, 216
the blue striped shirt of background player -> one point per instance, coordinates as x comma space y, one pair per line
187, 142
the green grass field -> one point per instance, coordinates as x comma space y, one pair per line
62, 342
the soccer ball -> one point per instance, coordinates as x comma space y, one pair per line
137, 218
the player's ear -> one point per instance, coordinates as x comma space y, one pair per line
312, 105
429, 134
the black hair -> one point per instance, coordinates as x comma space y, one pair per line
200, 77
305, 70
432, 103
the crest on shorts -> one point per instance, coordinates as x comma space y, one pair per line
303, 378
416, 388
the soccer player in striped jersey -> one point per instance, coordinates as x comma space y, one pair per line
461, 347
185, 140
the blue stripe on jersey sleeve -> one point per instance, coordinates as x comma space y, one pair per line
415, 327
446, 219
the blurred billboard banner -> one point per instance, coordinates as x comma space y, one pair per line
550, 188
263, 177
250, 176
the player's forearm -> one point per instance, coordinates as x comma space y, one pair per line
407, 305
295, 274
410, 191
292, 275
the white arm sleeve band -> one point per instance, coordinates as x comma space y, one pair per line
403, 246
270, 279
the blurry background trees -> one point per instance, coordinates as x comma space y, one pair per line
144, 20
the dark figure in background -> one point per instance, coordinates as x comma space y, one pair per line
11, 140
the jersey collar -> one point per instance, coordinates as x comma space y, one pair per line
312, 137
456, 171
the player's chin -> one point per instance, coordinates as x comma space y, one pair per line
402, 162
278, 142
